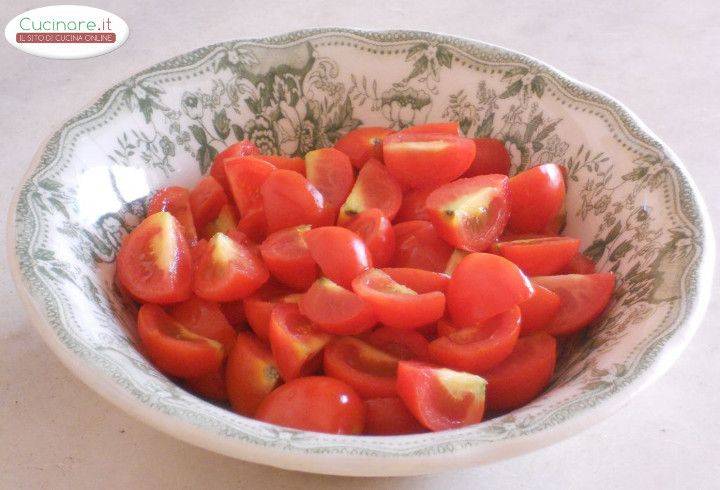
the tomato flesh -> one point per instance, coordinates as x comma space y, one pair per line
413, 206
211, 385
389, 417
362, 144
204, 318
402, 344
288, 258
580, 264
258, 307
176, 201
539, 309
419, 280
377, 232
536, 199
374, 188
206, 200
340, 253
370, 371
335, 309
418, 246
224, 222
331, 172
246, 175
491, 157
290, 200
452, 128
296, 164
540, 256
240, 149
250, 375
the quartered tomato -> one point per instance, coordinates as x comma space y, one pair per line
582, 298
418, 246
440, 398
331, 172
377, 232
539, 309
523, 375
211, 385
539, 256
154, 262
388, 417
204, 318
413, 205
251, 374
491, 157
228, 270
484, 285
481, 347
315, 403
395, 304
240, 149
335, 309
419, 160
454, 260
259, 306
234, 312
403, 344
374, 188
288, 258
536, 199
370, 371
339, 252
295, 342
246, 175
419, 280
254, 225
296, 164
470, 213
176, 201
434, 128
580, 264
362, 144
174, 348
290, 200
206, 200
225, 222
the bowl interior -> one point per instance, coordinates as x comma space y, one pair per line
628, 200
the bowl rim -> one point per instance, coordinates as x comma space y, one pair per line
364, 465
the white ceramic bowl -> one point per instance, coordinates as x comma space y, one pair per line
630, 200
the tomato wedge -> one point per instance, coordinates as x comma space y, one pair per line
258, 307
288, 258
523, 375
174, 349
362, 144
446, 327
204, 318
582, 298
225, 222
470, 213
484, 285
339, 252
246, 175
335, 309
491, 157
370, 371
481, 347
420, 160
540, 256
419, 280
206, 200
395, 304
440, 398
234, 312
389, 417
154, 263
451, 127
539, 309
331, 172
239, 149
290, 200
250, 375
413, 206
295, 342
253, 225
454, 260
211, 385
536, 199
402, 344
377, 232
176, 201
418, 246
580, 264
374, 188
296, 164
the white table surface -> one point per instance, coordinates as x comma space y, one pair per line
660, 58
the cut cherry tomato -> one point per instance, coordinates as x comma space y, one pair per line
234, 312
523, 375
484, 285
536, 199
440, 398
296, 164
331, 172
388, 417
377, 232
295, 342
250, 375
239, 149
315, 403
446, 327
339, 252
290, 200
175, 349
228, 270
362, 144
539, 309
154, 263
403, 344
374, 188
254, 225
246, 176
454, 260
470, 213
204, 318
452, 128
206, 201
418, 246
176, 201
211, 385
288, 258
413, 206
580, 264
420, 160
259, 306
395, 304
491, 157
419, 280
225, 222
539, 256
481, 347
370, 371
582, 298
335, 309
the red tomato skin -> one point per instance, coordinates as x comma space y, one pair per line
374, 188
370, 371
254, 225
484, 285
246, 175
239, 149
290, 200
536, 198
331, 172
288, 258
451, 127
377, 232
421, 160
580, 264
418, 246
389, 417
583, 297
538, 310
234, 312
491, 157
540, 256
258, 307
403, 344
250, 374
362, 144
206, 200
413, 206
296, 164
523, 375
204, 318
176, 201
315, 403
336, 310
210, 386
481, 347
340, 253
419, 280
137, 267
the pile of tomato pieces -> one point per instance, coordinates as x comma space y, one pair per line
397, 283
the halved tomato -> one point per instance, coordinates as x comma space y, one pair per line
536, 199
491, 157
259, 305
362, 144
254, 225
206, 200
374, 188
454, 260
470, 213
290, 200
419, 160
204, 318
413, 205
539, 309
224, 222
582, 298
339, 252
389, 417
211, 385
239, 149
331, 172
296, 164
176, 201
418, 246
451, 127
419, 280
539, 256
403, 344
335, 309
246, 175
481, 347
580, 264
175, 349
484, 285
395, 304
440, 398
288, 258
370, 371
251, 374
154, 263
377, 232
295, 342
